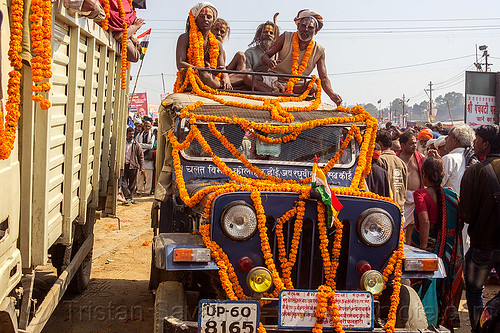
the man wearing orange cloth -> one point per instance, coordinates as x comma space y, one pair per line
423, 136
205, 15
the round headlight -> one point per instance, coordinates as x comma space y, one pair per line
375, 226
372, 281
259, 279
239, 221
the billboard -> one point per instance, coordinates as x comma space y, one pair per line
139, 103
480, 98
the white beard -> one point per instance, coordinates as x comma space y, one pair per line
266, 44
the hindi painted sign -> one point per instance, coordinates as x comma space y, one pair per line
480, 98
297, 309
480, 110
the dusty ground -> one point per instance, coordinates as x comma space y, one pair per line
118, 299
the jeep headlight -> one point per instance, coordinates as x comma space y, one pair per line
375, 227
239, 221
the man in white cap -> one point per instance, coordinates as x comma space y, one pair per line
308, 24
205, 15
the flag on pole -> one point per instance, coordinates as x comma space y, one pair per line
333, 205
144, 41
379, 101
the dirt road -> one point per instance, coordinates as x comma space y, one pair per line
118, 299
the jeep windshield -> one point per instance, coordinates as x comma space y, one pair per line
321, 141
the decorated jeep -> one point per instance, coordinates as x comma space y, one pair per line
247, 232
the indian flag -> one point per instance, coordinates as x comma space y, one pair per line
144, 41
333, 205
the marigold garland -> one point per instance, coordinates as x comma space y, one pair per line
105, 21
296, 69
41, 22
124, 62
8, 129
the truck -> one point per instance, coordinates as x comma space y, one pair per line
244, 239
64, 164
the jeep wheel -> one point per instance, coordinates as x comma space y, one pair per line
410, 313
170, 300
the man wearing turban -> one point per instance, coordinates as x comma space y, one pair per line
308, 24
423, 136
205, 15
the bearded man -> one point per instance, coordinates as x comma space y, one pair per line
204, 14
265, 36
308, 24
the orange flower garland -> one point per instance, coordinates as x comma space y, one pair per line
41, 21
105, 21
296, 70
124, 61
8, 130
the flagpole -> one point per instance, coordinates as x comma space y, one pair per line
135, 85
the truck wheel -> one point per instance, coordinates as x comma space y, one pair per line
81, 279
170, 300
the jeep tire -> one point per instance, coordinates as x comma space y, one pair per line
170, 301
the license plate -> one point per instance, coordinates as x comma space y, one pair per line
228, 316
297, 309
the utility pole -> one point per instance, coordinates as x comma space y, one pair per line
430, 100
404, 121
163, 81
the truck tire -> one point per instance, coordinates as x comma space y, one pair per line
81, 279
170, 300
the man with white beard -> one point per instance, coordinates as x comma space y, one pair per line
297, 51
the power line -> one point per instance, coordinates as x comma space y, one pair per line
365, 71
405, 66
354, 21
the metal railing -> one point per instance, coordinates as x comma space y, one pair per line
252, 90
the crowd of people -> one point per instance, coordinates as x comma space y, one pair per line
140, 155
450, 206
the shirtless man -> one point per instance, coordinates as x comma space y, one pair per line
205, 14
221, 31
308, 24
414, 161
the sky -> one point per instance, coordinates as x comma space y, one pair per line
375, 49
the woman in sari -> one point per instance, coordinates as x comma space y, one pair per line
437, 230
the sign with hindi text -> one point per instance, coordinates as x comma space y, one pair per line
480, 98
139, 102
297, 309
480, 110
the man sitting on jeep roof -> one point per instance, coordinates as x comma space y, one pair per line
308, 24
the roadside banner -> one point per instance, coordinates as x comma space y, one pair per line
139, 101
480, 98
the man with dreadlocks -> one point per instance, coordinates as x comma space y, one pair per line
265, 36
205, 52
297, 50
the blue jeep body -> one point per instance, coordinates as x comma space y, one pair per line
176, 223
